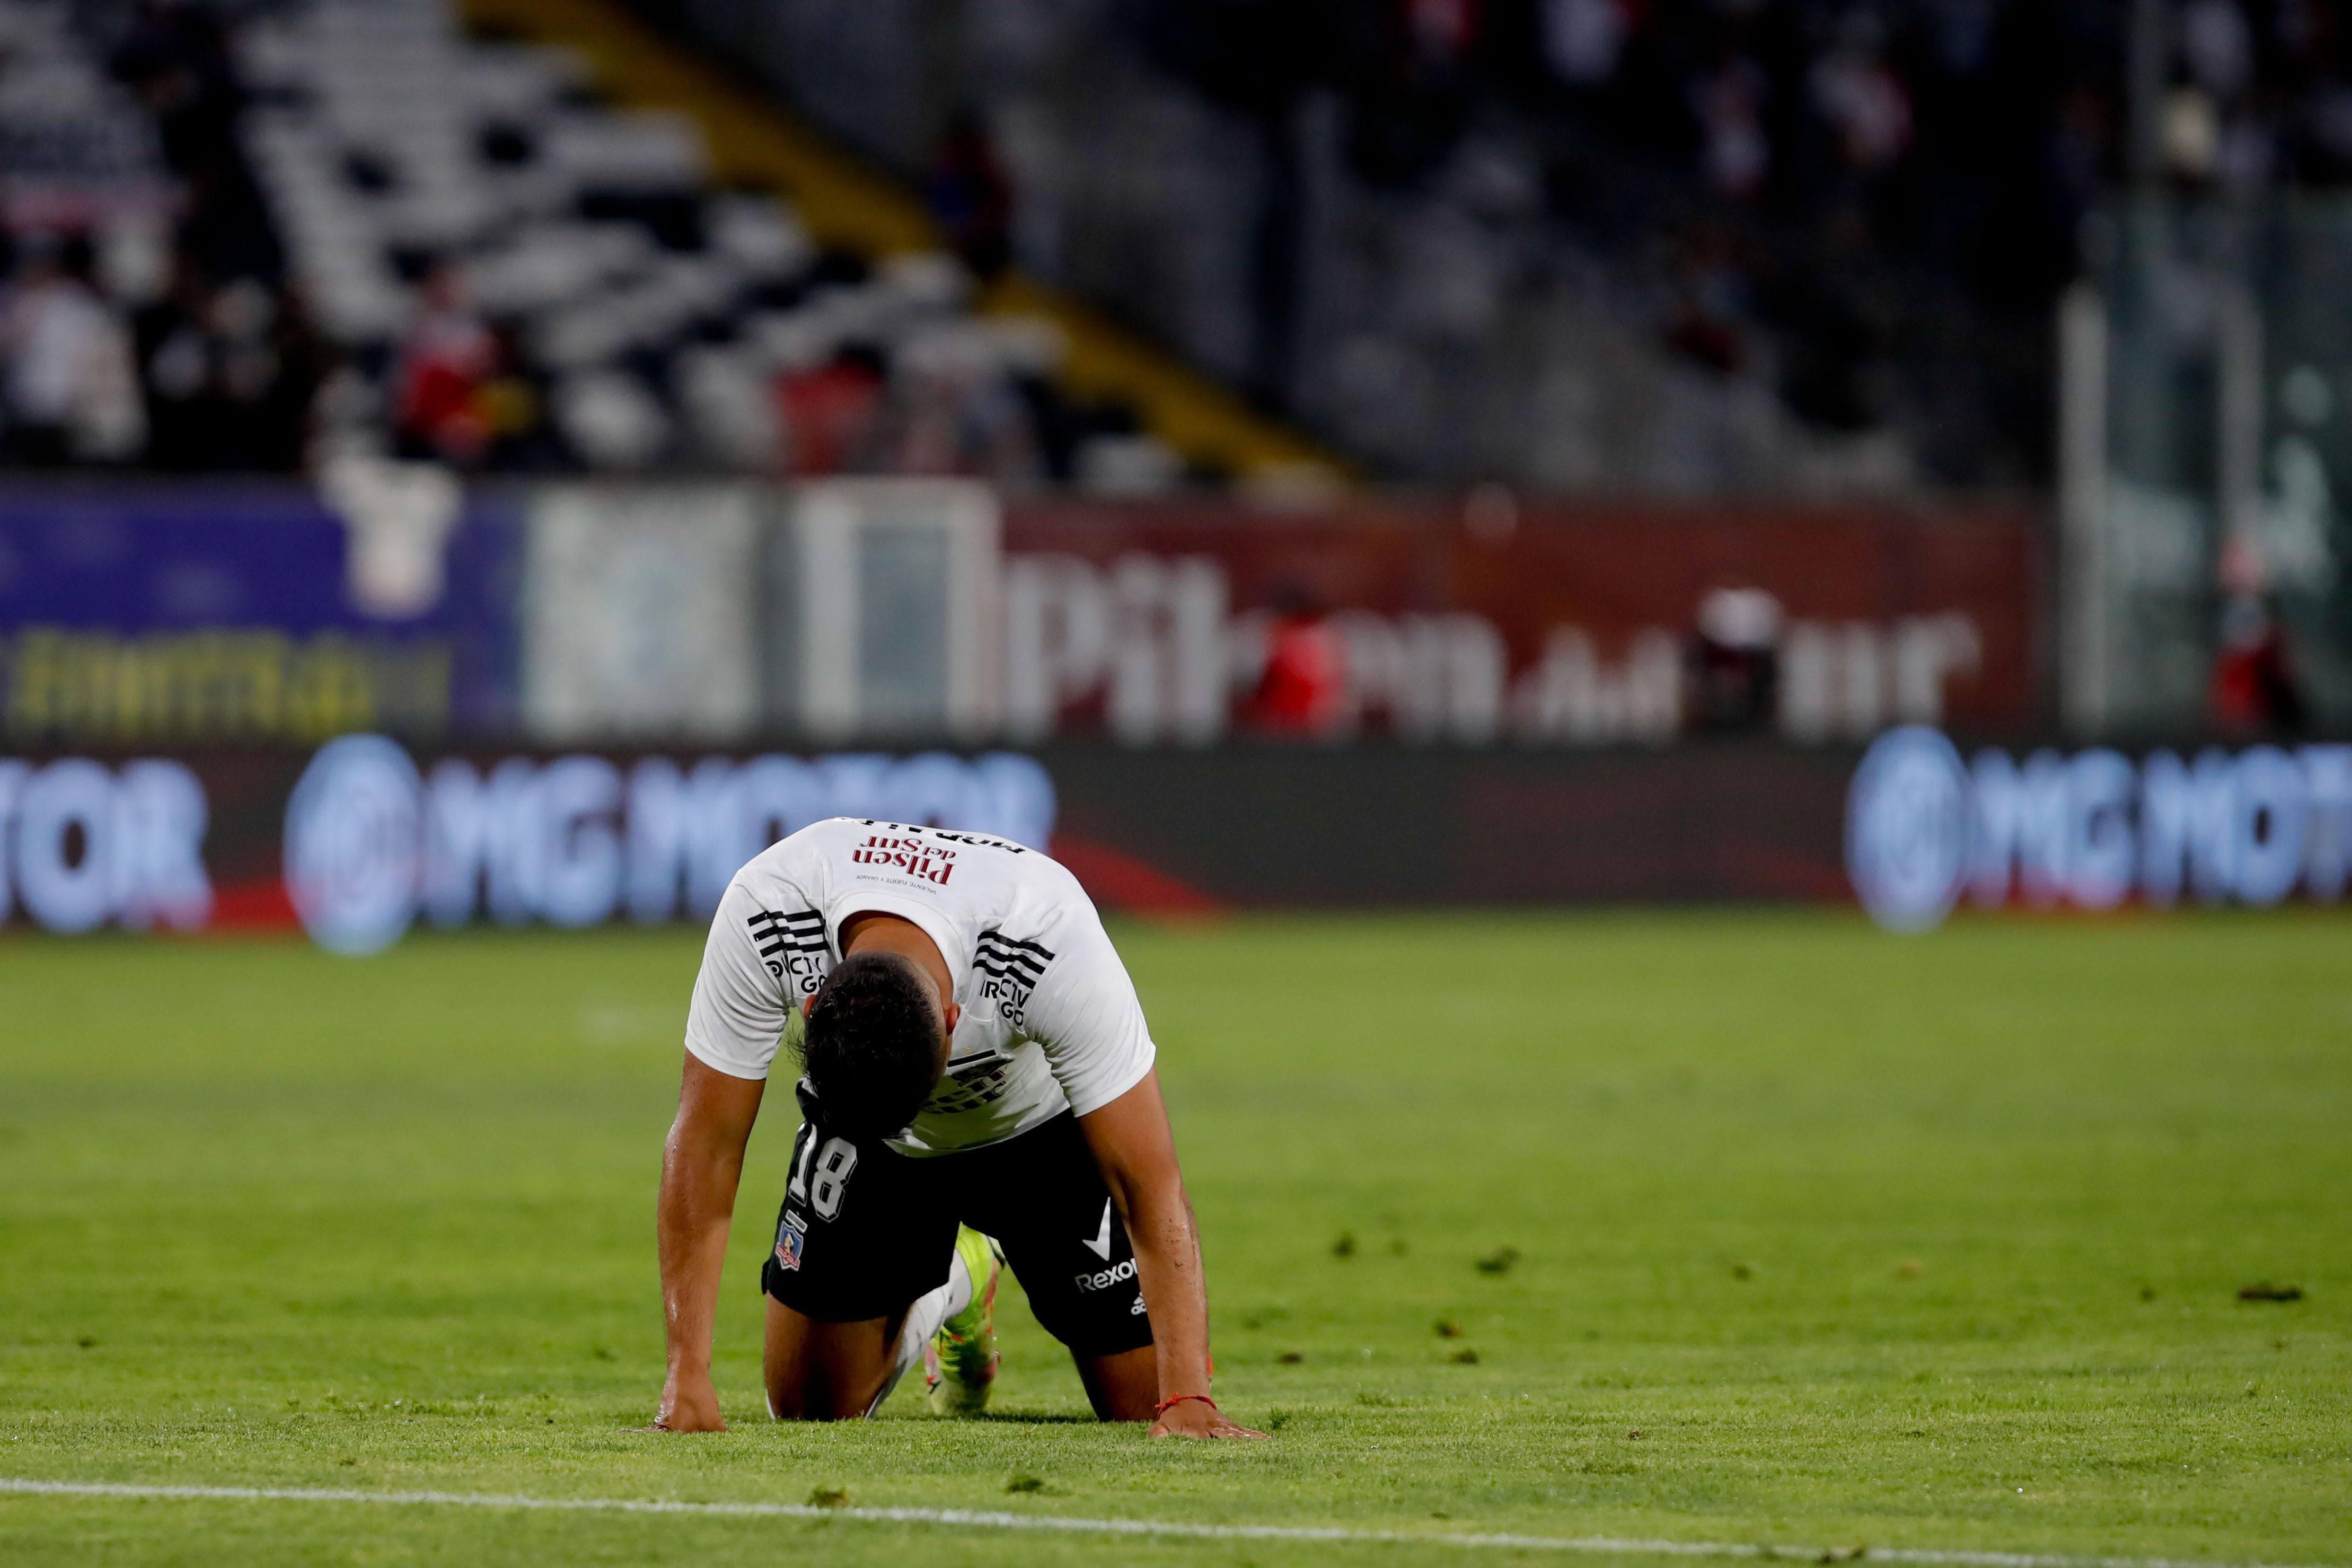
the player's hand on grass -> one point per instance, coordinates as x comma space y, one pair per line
1197, 1419
689, 1405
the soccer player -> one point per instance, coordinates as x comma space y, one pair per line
977, 1075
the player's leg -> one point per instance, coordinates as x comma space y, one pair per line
819, 1371
861, 1274
960, 1360
1042, 1195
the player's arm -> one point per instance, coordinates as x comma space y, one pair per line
702, 1165
1132, 1143
732, 1033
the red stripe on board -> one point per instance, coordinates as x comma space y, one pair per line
254, 906
1114, 878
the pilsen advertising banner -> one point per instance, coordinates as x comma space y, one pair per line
1491, 619
365, 839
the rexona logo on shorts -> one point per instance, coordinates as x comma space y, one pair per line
1108, 1278
1924, 829
373, 841
82, 845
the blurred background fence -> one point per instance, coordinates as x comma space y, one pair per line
2209, 376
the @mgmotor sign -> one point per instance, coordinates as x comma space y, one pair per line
2092, 829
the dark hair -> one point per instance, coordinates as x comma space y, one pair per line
872, 1050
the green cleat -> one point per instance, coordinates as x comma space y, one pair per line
960, 1364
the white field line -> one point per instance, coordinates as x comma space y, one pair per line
1161, 1528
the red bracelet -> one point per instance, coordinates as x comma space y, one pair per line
1165, 1405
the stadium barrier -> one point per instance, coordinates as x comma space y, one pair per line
361, 840
890, 612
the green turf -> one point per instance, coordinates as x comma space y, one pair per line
1823, 1237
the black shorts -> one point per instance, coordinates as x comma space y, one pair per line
865, 1230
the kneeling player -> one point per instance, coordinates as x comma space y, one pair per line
976, 1066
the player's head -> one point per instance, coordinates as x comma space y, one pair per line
877, 1041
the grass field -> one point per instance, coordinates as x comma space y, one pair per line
1821, 1238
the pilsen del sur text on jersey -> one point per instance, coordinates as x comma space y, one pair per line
932, 862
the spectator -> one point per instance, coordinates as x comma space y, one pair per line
513, 407
2246, 154
230, 375
970, 198
1709, 325
2255, 691
829, 411
2079, 146
2192, 135
2217, 47
175, 358
1727, 103
1444, 31
1304, 687
2234, 143
175, 59
1735, 661
948, 412
1864, 102
1405, 67
1583, 40
72, 387
450, 356
273, 363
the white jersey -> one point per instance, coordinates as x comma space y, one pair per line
1050, 1019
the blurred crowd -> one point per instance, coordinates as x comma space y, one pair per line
1843, 192
145, 315
1971, 130
234, 238
255, 238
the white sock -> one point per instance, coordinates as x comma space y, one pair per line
923, 1320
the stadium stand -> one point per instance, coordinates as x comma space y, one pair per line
1649, 245
487, 262
1121, 385
1698, 247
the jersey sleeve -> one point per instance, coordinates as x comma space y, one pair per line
739, 1012
1086, 1018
